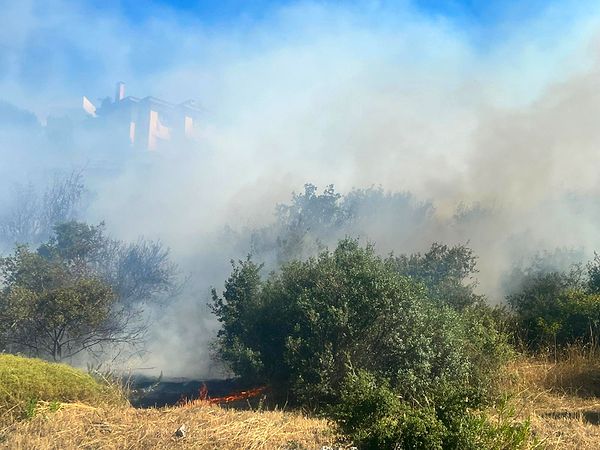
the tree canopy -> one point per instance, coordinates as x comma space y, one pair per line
79, 291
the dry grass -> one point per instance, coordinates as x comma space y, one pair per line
77, 426
560, 399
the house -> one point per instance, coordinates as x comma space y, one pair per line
147, 122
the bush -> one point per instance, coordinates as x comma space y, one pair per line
313, 219
373, 416
79, 292
447, 273
557, 309
26, 381
305, 326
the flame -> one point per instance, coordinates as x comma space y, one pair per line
203, 392
236, 396
204, 399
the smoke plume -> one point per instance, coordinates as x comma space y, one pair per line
494, 129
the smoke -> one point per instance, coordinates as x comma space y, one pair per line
495, 128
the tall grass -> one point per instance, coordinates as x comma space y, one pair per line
572, 371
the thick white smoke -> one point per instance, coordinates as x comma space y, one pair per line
502, 123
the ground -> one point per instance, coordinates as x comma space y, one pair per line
77, 426
561, 401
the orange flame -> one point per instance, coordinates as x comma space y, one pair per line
236, 396
204, 399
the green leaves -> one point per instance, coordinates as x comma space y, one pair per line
46, 308
384, 355
447, 272
555, 309
373, 416
303, 327
70, 295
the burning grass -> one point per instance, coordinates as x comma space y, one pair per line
233, 398
208, 427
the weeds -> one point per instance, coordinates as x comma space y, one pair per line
30, 408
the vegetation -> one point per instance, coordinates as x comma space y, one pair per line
50, 309
79, 291
137, 272
322, 330
447, 273
303, 329
313, 220
555, 309
374, 417
25, 382
392, 352
74, 427
558, 418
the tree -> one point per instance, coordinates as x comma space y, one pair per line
48, 309
593, 272
80, 291
447, 272
302, 225
313, 220
137, 272
304, 328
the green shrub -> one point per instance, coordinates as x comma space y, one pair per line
447, 273
373, 416
302, 328
26, 381
79, 292
553, 310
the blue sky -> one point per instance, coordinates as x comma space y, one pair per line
484, 23
480, 11
479, 14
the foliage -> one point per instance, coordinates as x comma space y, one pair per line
556, 309
313, 220
302, 328
593, 270
25, 381
447, 272
46, 309
80, 291
373, 416
137, 272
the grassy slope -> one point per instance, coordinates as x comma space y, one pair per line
26, 381
70, 410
